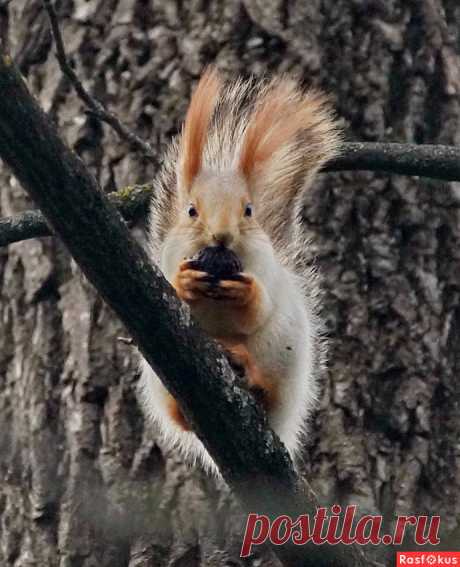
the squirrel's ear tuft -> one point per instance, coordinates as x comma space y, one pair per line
196, 124
282, 110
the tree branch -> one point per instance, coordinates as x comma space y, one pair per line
132, 202
250, 457
96, 108
31, 224
436, 161
440, 162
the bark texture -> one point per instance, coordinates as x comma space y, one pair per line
82, 482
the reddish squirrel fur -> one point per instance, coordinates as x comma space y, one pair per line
237, 177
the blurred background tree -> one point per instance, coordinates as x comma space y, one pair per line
82, 482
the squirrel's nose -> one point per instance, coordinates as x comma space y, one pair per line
222, 238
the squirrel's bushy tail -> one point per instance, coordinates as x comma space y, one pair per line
273, 133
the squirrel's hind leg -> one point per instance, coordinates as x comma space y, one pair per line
263, 389
175, 413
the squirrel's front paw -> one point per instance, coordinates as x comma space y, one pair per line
190, 284
239, 291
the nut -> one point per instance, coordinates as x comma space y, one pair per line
219, 262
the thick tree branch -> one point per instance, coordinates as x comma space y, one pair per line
250, 457
439, 162
95, 107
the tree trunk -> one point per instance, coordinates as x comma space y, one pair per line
83, 482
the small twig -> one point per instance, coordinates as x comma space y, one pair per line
95, 106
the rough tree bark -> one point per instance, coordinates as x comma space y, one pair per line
77, 467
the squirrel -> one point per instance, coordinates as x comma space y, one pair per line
236, 177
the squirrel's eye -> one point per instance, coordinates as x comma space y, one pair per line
248, 211
192, 212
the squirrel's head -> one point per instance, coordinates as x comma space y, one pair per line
218, 210
218, 202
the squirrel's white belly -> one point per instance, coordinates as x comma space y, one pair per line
284, 349
216, 319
